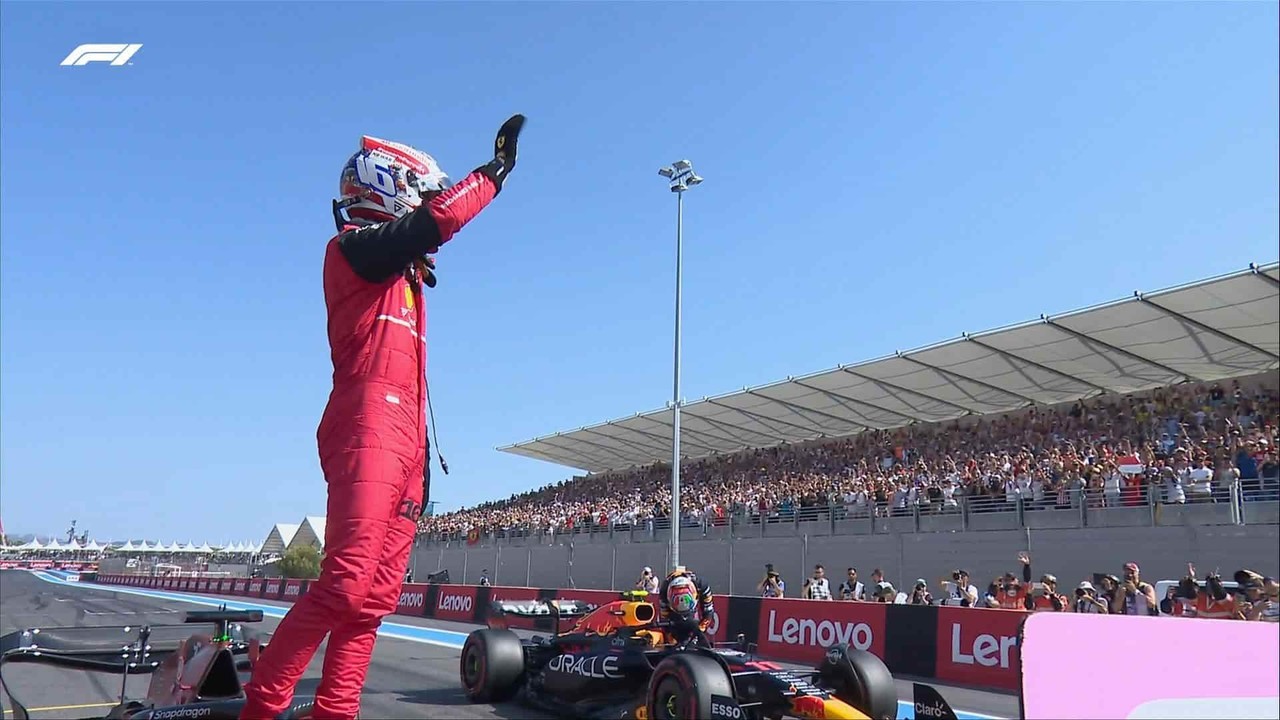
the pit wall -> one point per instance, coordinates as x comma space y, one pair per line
966, 646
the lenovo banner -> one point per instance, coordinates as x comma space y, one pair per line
255, 588
801, 630
240, 587
454, 602
413, 600
271, 591
292, 590
977, 646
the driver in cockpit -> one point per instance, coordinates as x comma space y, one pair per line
681, 597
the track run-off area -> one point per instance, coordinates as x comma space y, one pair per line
414, 672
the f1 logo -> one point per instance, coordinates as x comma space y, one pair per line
114, 53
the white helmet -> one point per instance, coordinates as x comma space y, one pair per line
385, 180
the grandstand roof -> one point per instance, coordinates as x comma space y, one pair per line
279, 538
310, 532
1222, 327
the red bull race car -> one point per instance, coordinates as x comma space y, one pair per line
620, 662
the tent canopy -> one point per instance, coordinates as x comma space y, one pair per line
1210, 330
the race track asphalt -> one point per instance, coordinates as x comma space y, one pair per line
408, 678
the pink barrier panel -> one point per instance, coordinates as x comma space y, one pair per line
1160, 667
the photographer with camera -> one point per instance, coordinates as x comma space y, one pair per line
1263, 595
1133, 596
647, 581
1087, 600
959, 591
772, 586
920, 594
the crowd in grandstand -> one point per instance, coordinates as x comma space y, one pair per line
1183, 444
1246, 596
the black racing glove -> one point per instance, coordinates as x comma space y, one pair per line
504, 152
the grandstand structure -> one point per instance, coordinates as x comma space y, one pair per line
1213, 329
286, 536
1220, 331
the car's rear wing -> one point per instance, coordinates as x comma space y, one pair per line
546, 614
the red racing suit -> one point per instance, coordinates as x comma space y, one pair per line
373, 450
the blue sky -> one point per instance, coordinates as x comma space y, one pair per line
879, 176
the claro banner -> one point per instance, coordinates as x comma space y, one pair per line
968, 646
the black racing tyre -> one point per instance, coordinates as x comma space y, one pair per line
682, 685
491, 665
862, 680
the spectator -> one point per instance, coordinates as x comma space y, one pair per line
1134, 597
851, 589
1009, 593
1106, 451
1108, 588
885, 593
1088, 601
1180, 600
484, 577
1213, 602
1045, 597
1200, 481
817, 587
1264, 601
877, 577
920, 593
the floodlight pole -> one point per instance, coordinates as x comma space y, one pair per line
682, 177
675, 393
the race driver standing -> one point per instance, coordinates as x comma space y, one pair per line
682, 595
372, 438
